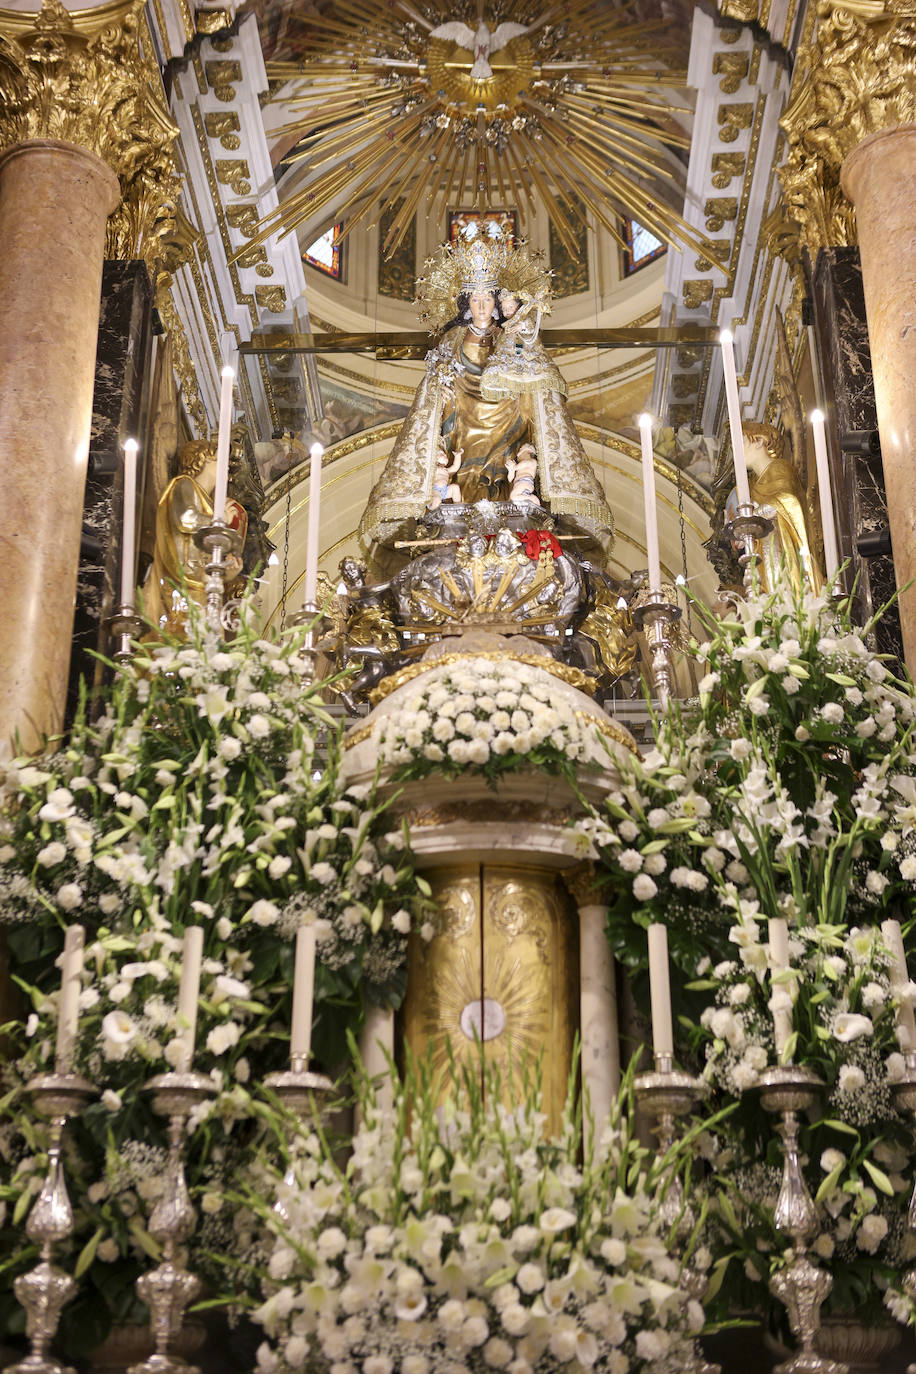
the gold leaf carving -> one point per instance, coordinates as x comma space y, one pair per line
725, 166
88, 85
732, 118
220, 77
211, 21
233, 172
732, 67
252, 255
718, 209
858, 80
244, 218
272, 298
696, 293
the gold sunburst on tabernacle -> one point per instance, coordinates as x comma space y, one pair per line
508, 102
510, 1018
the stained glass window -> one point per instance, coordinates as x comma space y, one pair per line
642, 246
324, 253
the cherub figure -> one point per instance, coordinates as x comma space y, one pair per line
522, 472
443, 489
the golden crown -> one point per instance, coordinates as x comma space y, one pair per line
478, 261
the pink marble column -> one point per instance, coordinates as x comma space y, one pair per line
55, 199
879, 177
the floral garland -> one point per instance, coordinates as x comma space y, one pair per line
485, 715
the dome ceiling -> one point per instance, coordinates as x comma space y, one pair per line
448, 103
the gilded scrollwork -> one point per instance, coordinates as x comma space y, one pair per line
92, 86
857, 80
732, 67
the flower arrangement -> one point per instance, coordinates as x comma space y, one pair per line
787, 790
460, 1237
206, 792
489, 716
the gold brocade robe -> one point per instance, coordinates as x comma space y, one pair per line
488, 432
779, 488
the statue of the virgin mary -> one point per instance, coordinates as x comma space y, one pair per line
466, 426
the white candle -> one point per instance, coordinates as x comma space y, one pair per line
734, 416
129, 524
300, 1042
899, 978
660, 992
222, 444
779, 963
831, 556
648, 492
70, 987
189, 989
316, 453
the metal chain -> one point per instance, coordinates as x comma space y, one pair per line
680, 514
289, 495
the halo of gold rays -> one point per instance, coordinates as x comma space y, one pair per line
574, 114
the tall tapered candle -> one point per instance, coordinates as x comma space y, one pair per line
189, 990
222, 444
660, 992
316, 453
129, 524
70, 986
300, 1042
648, 493
900, 978
831, 556
734, 416
779, 963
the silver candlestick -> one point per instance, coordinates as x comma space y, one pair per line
219, 540
802, 1286
905, 1096
45, 1290
656, 615
124, 627
307, 616
305, 1094
668, 1094
169, 1288
748, 525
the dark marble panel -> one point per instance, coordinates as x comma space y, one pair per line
121, 370
857, 477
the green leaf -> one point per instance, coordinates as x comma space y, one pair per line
829, 1183
878, 1177
22, 1206
840, 1126
87, 1254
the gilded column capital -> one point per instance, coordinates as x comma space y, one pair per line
580, 883
89, 79
856, 79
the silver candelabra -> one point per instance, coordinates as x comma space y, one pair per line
749, 524
46, 1289
169, 1288
668, 1094
307, 616
801, 1286
656, 615
124, 627
219, 540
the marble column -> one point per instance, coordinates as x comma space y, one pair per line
598, 1003
879, 177
55, 198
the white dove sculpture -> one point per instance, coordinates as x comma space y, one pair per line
481, 44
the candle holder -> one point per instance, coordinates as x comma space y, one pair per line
656, 615
905, 1097
45, 1290
802, 1286
666, 1095
124, 627
307, 616
169, 1288
219, 540
303, 1093
748, 525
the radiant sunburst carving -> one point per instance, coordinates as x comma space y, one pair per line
580, 105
